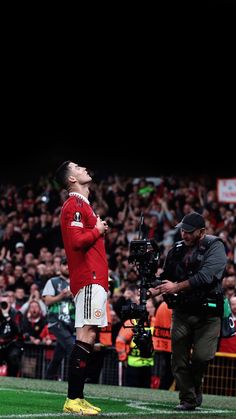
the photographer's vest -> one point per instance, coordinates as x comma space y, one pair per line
134, 358
64, 310
180, 265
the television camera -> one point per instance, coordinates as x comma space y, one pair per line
144, 254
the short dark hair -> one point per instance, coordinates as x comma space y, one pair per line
61, 174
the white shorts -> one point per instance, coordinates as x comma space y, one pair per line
90, 306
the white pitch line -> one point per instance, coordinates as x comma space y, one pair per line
156, 411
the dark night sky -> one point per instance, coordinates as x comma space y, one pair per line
117, 155
172, 116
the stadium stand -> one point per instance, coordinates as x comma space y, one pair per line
31, 249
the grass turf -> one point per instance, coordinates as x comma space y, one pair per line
27, 398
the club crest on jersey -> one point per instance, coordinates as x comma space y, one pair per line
77, 217
77, 220
97, 313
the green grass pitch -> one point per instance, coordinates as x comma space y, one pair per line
23, 398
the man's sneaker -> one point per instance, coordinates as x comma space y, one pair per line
78, 406
185, 406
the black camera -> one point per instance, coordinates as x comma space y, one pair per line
144, 255
133, 311
143, 340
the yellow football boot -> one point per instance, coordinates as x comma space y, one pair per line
87, 404
79, 406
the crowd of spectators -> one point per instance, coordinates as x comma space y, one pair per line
31, 245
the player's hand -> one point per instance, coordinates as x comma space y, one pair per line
102, 226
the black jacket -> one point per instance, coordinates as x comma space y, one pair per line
203, 266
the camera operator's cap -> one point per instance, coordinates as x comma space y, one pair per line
191, 222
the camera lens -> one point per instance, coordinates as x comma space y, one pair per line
4, 305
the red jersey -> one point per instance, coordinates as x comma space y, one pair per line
84, 245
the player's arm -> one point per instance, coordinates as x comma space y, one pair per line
80, 237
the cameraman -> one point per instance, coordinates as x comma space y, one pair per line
191, 285
10, 345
